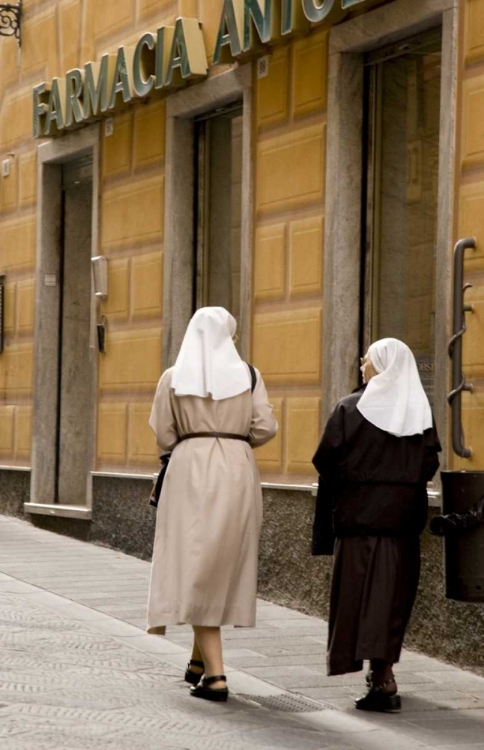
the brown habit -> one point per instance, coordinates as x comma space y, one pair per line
205, 556
371, 507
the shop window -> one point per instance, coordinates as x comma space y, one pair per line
402, 158
218, 214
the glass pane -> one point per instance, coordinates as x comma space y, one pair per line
219, 219
405, 222
236, 215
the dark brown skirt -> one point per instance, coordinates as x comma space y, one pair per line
375, 581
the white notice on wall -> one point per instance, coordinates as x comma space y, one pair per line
263, 67
50, 279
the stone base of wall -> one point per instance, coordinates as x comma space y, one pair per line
14, 492
289, 575
121, 516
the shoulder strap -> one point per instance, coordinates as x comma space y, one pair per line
253, 377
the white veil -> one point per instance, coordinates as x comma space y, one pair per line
394, 399
208, 363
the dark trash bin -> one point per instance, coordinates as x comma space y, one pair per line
464, 552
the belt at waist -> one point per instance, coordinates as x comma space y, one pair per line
227, 435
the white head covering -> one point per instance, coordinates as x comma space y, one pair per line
208, 363
394, 399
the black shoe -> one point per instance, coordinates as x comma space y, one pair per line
376, 700
194, 677
202, 690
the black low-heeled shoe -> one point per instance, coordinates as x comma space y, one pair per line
194, 677
202, 690
377, 700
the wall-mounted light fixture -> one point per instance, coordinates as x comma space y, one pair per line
2, 309
100, 275
10, 20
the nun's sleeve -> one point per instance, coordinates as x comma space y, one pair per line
162, 418
432, 449
326, 461
263, 425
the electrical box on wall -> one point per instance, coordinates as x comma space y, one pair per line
5, 167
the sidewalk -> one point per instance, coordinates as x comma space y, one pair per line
78, 672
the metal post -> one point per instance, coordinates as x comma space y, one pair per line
459, 327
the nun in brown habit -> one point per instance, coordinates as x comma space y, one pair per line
378, 451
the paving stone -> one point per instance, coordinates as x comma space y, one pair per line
240, 654
152, 644
139, 622
326, 694
280, 646
297, 623
118, 610
283, 676
414, 663
257, 660
235, 634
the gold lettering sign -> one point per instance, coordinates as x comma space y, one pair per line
174, 55
246, 23
231, 32
144, 65
293, 17
187, 59
169, 58
54, 118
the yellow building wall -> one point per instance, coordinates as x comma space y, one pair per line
56, 36
290, 150
18, 195
470, 221
131, 236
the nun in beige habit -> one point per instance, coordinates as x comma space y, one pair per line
205, 557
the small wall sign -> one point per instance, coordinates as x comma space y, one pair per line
263, 67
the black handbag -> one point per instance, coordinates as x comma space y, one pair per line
158, 482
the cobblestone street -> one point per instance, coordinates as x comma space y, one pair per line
77, 670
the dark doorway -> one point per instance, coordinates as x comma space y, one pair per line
74, 437
218, 209
402, 105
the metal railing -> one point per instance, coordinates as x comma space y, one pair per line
459, 327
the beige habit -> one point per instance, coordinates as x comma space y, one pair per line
205, 556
